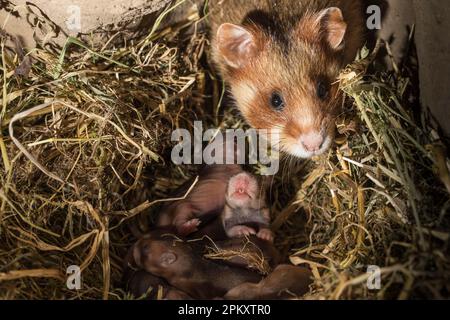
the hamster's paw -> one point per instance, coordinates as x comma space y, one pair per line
265, 234
188, 227
240, 231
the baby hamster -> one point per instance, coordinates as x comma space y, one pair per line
285, 282
186, 270
204, 202
245, 211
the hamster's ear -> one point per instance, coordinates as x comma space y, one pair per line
236, 45
167, 258
136, 255
332, 21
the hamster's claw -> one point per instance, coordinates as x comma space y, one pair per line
189, 227
240, 231
265, 234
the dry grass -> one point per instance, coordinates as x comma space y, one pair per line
249, 252
85, 145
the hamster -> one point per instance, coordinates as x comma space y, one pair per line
203, 203
245, 211
212, 229
186, 270
280, 60
175, 294
285, 282
139, 282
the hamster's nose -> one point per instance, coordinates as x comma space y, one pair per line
312, 141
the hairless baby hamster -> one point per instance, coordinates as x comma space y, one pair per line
245, 210
186, 270
285, 282
204, 202
140, 282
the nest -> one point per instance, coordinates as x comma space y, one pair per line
85, 140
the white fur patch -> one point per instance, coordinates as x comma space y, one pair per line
305, 118
244, 93
299, 150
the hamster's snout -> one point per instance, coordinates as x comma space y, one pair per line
312, 141
242, 185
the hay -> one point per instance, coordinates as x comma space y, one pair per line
85, 143
249, 252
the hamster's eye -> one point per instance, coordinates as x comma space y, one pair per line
276, 101
322, 89
146, 248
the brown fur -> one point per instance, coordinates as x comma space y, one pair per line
291, 55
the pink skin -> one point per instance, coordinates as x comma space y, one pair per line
184, 227
188, 227
265, 234
207, 197
241, 231
242, 188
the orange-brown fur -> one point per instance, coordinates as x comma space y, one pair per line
292, 56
